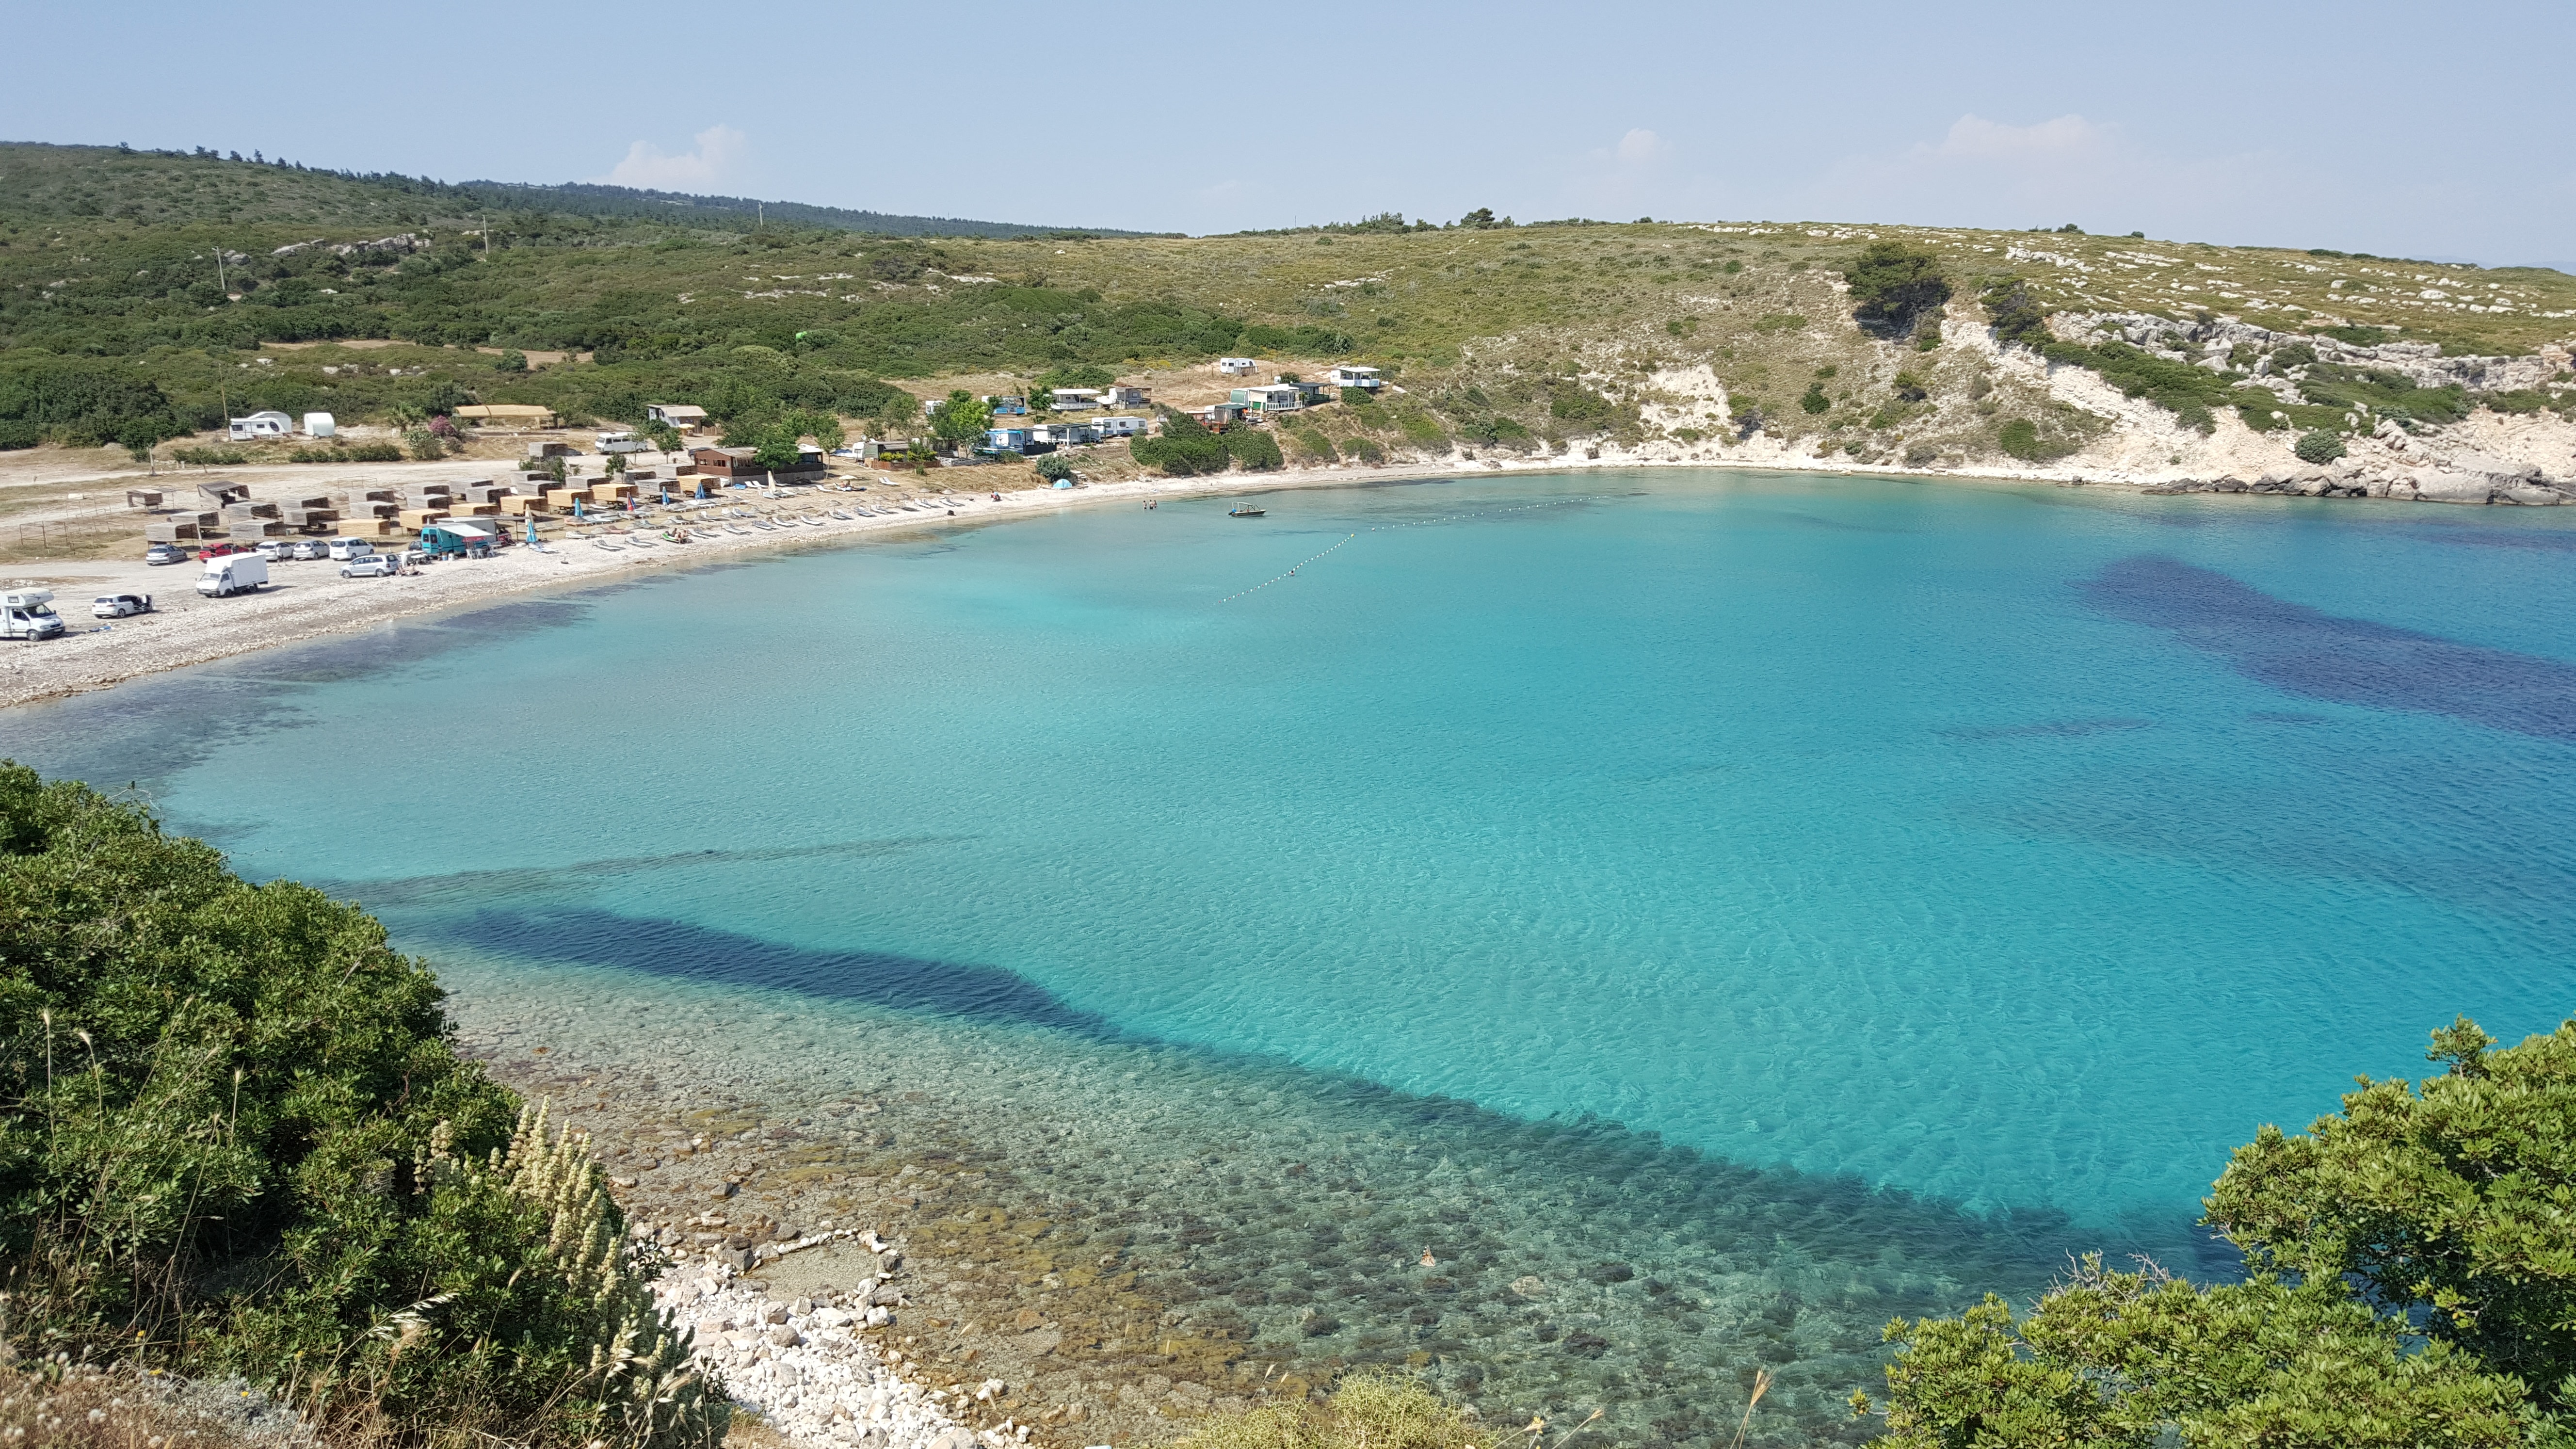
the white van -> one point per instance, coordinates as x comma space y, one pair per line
345, 549
234, 573
622, 443
29, 614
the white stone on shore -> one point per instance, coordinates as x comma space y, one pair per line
814, 1381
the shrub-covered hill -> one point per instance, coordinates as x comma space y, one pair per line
165, 187
1686, 337
235, 1139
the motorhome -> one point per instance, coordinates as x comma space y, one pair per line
238, 573
622, 443
259, 425
29, 614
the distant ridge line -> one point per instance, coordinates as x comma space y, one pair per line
39, 178
596, 198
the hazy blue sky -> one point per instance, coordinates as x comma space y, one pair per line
2418, 130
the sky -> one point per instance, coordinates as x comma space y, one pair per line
2437, 132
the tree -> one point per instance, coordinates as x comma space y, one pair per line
513, 361
961, 419
2413, 1282
1053, 466
774, 448
898, 414
1893, 285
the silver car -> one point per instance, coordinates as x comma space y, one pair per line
371, 566
315, 548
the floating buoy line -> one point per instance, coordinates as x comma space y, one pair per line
1392, 527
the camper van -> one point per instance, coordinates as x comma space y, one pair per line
622, 443
237, 573
29, 614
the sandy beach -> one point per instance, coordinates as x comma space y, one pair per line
308, 599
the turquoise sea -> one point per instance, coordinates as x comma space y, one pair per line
1815, 898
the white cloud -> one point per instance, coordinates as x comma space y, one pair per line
650, 167
1629, 170
1983, 172
1639, 149
1973, 137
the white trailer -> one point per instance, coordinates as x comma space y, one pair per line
321, 425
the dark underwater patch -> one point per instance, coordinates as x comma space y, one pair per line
2308, 652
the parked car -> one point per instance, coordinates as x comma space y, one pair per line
239, 574
220, 550
271, 550
370, 566
165, 553
117, 606
345, 549
316, 548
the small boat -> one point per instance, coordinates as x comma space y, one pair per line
837, 513
1239, 511
611, 547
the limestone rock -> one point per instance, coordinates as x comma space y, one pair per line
2433, 485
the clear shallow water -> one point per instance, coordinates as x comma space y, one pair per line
2016, 849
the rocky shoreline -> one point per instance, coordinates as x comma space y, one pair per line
793, 1258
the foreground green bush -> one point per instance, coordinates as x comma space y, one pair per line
235, 1138
2413, 1284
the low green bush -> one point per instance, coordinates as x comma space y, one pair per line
2521, 400
1054, 466
238, 1140
2017, 319
1814, 401
2022, 439
1183, 449
1254, 448
2320, 446
14, 435
1313, 446
209, 457
2387, 394
1421, 431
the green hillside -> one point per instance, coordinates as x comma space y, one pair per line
159, 187
135, 287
